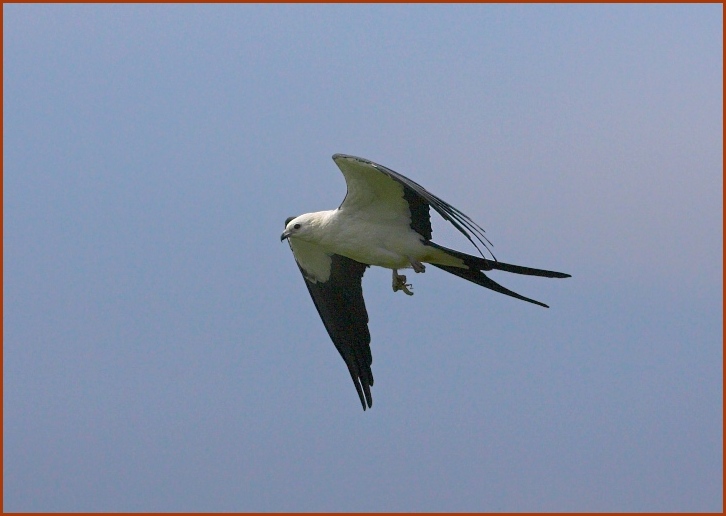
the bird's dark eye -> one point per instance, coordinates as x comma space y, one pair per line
296, 226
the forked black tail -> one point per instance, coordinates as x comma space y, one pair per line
476, 264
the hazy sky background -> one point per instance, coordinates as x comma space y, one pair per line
161, 351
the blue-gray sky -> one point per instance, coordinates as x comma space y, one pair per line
161, 351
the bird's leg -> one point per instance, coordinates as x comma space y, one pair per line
399, 283
417, 266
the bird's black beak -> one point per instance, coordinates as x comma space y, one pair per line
284, 236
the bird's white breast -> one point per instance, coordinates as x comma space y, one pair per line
385, 243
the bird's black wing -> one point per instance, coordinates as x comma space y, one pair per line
339, 301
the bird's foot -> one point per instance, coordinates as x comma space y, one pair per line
417, 266
399, 283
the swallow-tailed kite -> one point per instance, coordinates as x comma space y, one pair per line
384, 221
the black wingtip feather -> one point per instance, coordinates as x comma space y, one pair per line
358, 389
363, 385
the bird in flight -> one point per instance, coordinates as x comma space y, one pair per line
384, 221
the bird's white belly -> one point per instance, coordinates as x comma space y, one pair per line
378, 245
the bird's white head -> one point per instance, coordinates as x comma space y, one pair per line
303, 227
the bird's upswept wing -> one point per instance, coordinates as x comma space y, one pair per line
368, 181
334, 283
390, 196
